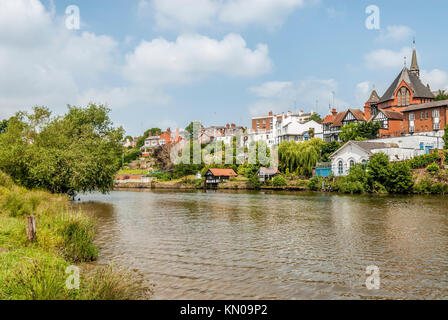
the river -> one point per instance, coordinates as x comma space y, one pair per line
226, 245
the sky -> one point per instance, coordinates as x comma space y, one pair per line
164, 63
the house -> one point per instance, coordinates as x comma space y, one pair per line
267, 173
391, 123
267, 122
359, 152
292, 129
333, 123
215, 176
431, 117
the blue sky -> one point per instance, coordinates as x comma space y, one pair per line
160, 63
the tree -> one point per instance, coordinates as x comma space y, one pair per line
78, 152
441, 96
328, 149
300, 157
399, 179
445, 138
377, 170
3, 126
359, 131
315, 117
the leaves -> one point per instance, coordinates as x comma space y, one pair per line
78, 152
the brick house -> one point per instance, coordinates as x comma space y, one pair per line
426, 117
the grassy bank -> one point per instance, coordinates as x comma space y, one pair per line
37, 270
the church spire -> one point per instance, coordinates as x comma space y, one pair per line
414, 64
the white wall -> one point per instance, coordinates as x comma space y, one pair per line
348, 153
413, 142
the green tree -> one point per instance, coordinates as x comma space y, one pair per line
359, 131
78, 152
300, 157
3, 126
377, 170
445, 138
315, 117
399, 178
441, 96
328, 149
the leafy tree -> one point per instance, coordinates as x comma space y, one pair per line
300, 157
399, 178
445, 137
360, 131
279, 181
441, 96
328, 149
377, 170
3, 126
77, 152
316, 117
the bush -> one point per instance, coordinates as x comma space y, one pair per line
16, 205
313, 184
423, 186
378, 169
424, 160
279, 181
432, 168
345, 185
399, 179
254, 181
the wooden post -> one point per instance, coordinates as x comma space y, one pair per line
31, 228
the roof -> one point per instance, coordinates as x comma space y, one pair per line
367, 146
338, 119
433, 104
328, 119
414, 63
358, 114
374, 97
268, 171
420, 90
222, 172
393, 115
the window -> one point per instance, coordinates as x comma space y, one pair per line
404, 96
352, 163
364, 163
421, 115
340, 167
426, 115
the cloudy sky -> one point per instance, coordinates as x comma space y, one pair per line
166, 62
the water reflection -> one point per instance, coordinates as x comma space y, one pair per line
196, 245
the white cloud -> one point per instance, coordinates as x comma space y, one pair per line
384, 58
43, 63
363, 91
437, 79
281, 96
194, 56
193, 14
396, 33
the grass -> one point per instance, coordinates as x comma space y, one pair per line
37, 271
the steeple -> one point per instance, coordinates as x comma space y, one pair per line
414, 65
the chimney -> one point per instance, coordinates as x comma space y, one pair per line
168, 130
367, 110
334, 112
233, 125
227, 126
270, 113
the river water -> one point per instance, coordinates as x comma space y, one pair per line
196, 245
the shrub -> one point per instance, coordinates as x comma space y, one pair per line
254, 181
301, 183
399, 179
378, 169
16, 205
279, 181
198, 183
345, 185
423, 186
432, 168
424, 160
313, 184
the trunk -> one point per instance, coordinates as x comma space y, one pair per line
31, 228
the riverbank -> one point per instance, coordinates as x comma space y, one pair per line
36, 269
423, 182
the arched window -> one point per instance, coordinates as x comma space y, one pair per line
404, 97
364, 163
340, 167
352, 163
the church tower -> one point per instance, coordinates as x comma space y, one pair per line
414, 64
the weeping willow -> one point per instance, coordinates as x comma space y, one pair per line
300, 157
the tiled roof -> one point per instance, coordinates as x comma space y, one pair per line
420, 90
433, 104
393, 115
358, 114
338, 119
328, 119
223, 172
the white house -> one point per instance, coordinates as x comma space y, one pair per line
291, 128
354, 152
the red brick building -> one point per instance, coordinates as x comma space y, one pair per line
426, 117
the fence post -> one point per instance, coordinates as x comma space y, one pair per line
31, 228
